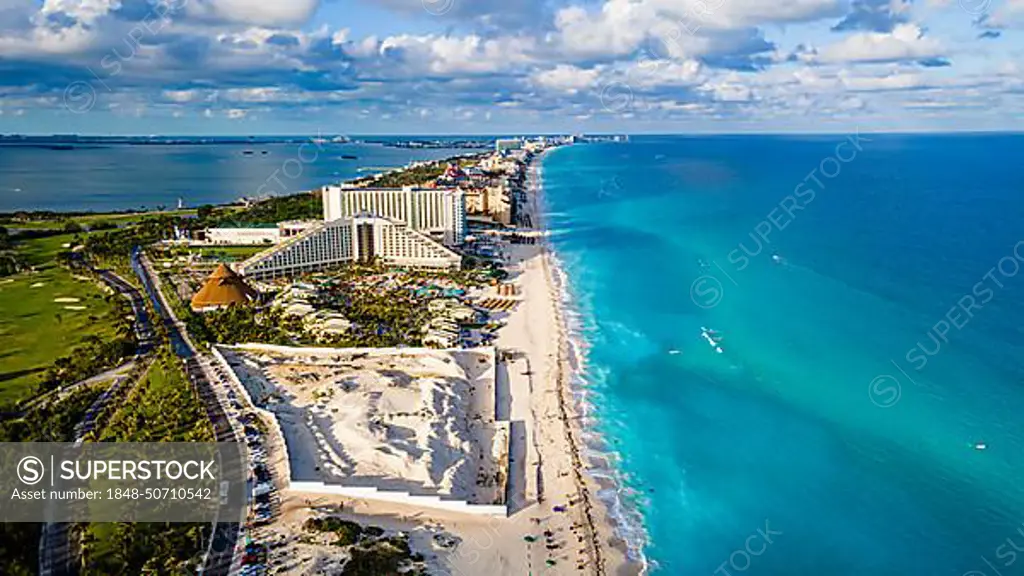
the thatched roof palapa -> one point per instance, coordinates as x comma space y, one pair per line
223, 288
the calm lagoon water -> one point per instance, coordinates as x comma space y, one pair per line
120, 177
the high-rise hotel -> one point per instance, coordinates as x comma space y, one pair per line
399, 226
437, 212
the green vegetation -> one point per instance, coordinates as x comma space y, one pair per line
104, 248
239, 324
91, 221
89, 333
417, 176
215, 253
384, 557
162, 408
10, 263
348, 532
152, 548
49, 422
306, 206
19, 548
370, 552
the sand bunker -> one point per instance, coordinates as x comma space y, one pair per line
38, 285
76, 308
67, 300
420, 421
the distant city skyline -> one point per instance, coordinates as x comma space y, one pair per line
493, 67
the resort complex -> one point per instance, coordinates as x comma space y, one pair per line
387, 353
362, 238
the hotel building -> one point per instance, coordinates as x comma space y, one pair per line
362, 238
440, 213
253, 235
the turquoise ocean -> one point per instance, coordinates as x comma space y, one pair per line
865, 415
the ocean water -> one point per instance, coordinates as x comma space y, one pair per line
866, 413
121, 177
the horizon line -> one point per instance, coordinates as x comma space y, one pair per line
513, 135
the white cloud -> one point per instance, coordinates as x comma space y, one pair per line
566, 78
460, 55
905, 42
893, 81
728, 89
275, 13
679, 26
1009, 14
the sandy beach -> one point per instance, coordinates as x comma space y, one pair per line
556, 524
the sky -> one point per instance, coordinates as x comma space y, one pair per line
509, 66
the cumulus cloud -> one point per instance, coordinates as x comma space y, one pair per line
905, 42
567, 78
874, 15
496, 14
454, 55
533, 61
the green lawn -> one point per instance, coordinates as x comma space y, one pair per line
36, 330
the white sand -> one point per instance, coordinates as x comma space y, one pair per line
76, 308
420, 421
38, 285
67, 300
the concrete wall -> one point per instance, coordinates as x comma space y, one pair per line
395, 497
268, 418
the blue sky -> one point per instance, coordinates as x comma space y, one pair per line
506, 66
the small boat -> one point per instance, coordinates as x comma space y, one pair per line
248, 152
980, 446
349, 157
711, 335
673, 352
713, 339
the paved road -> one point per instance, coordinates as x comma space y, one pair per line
56, 555
226, 534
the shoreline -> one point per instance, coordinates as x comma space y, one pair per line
612, 553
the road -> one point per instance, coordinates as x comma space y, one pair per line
56, 556
221, 552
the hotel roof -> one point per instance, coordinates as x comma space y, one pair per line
223, 288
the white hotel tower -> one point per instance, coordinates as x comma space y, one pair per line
398, 226
437, 212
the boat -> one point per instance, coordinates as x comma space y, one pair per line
248, 152
349, 157
712, 338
